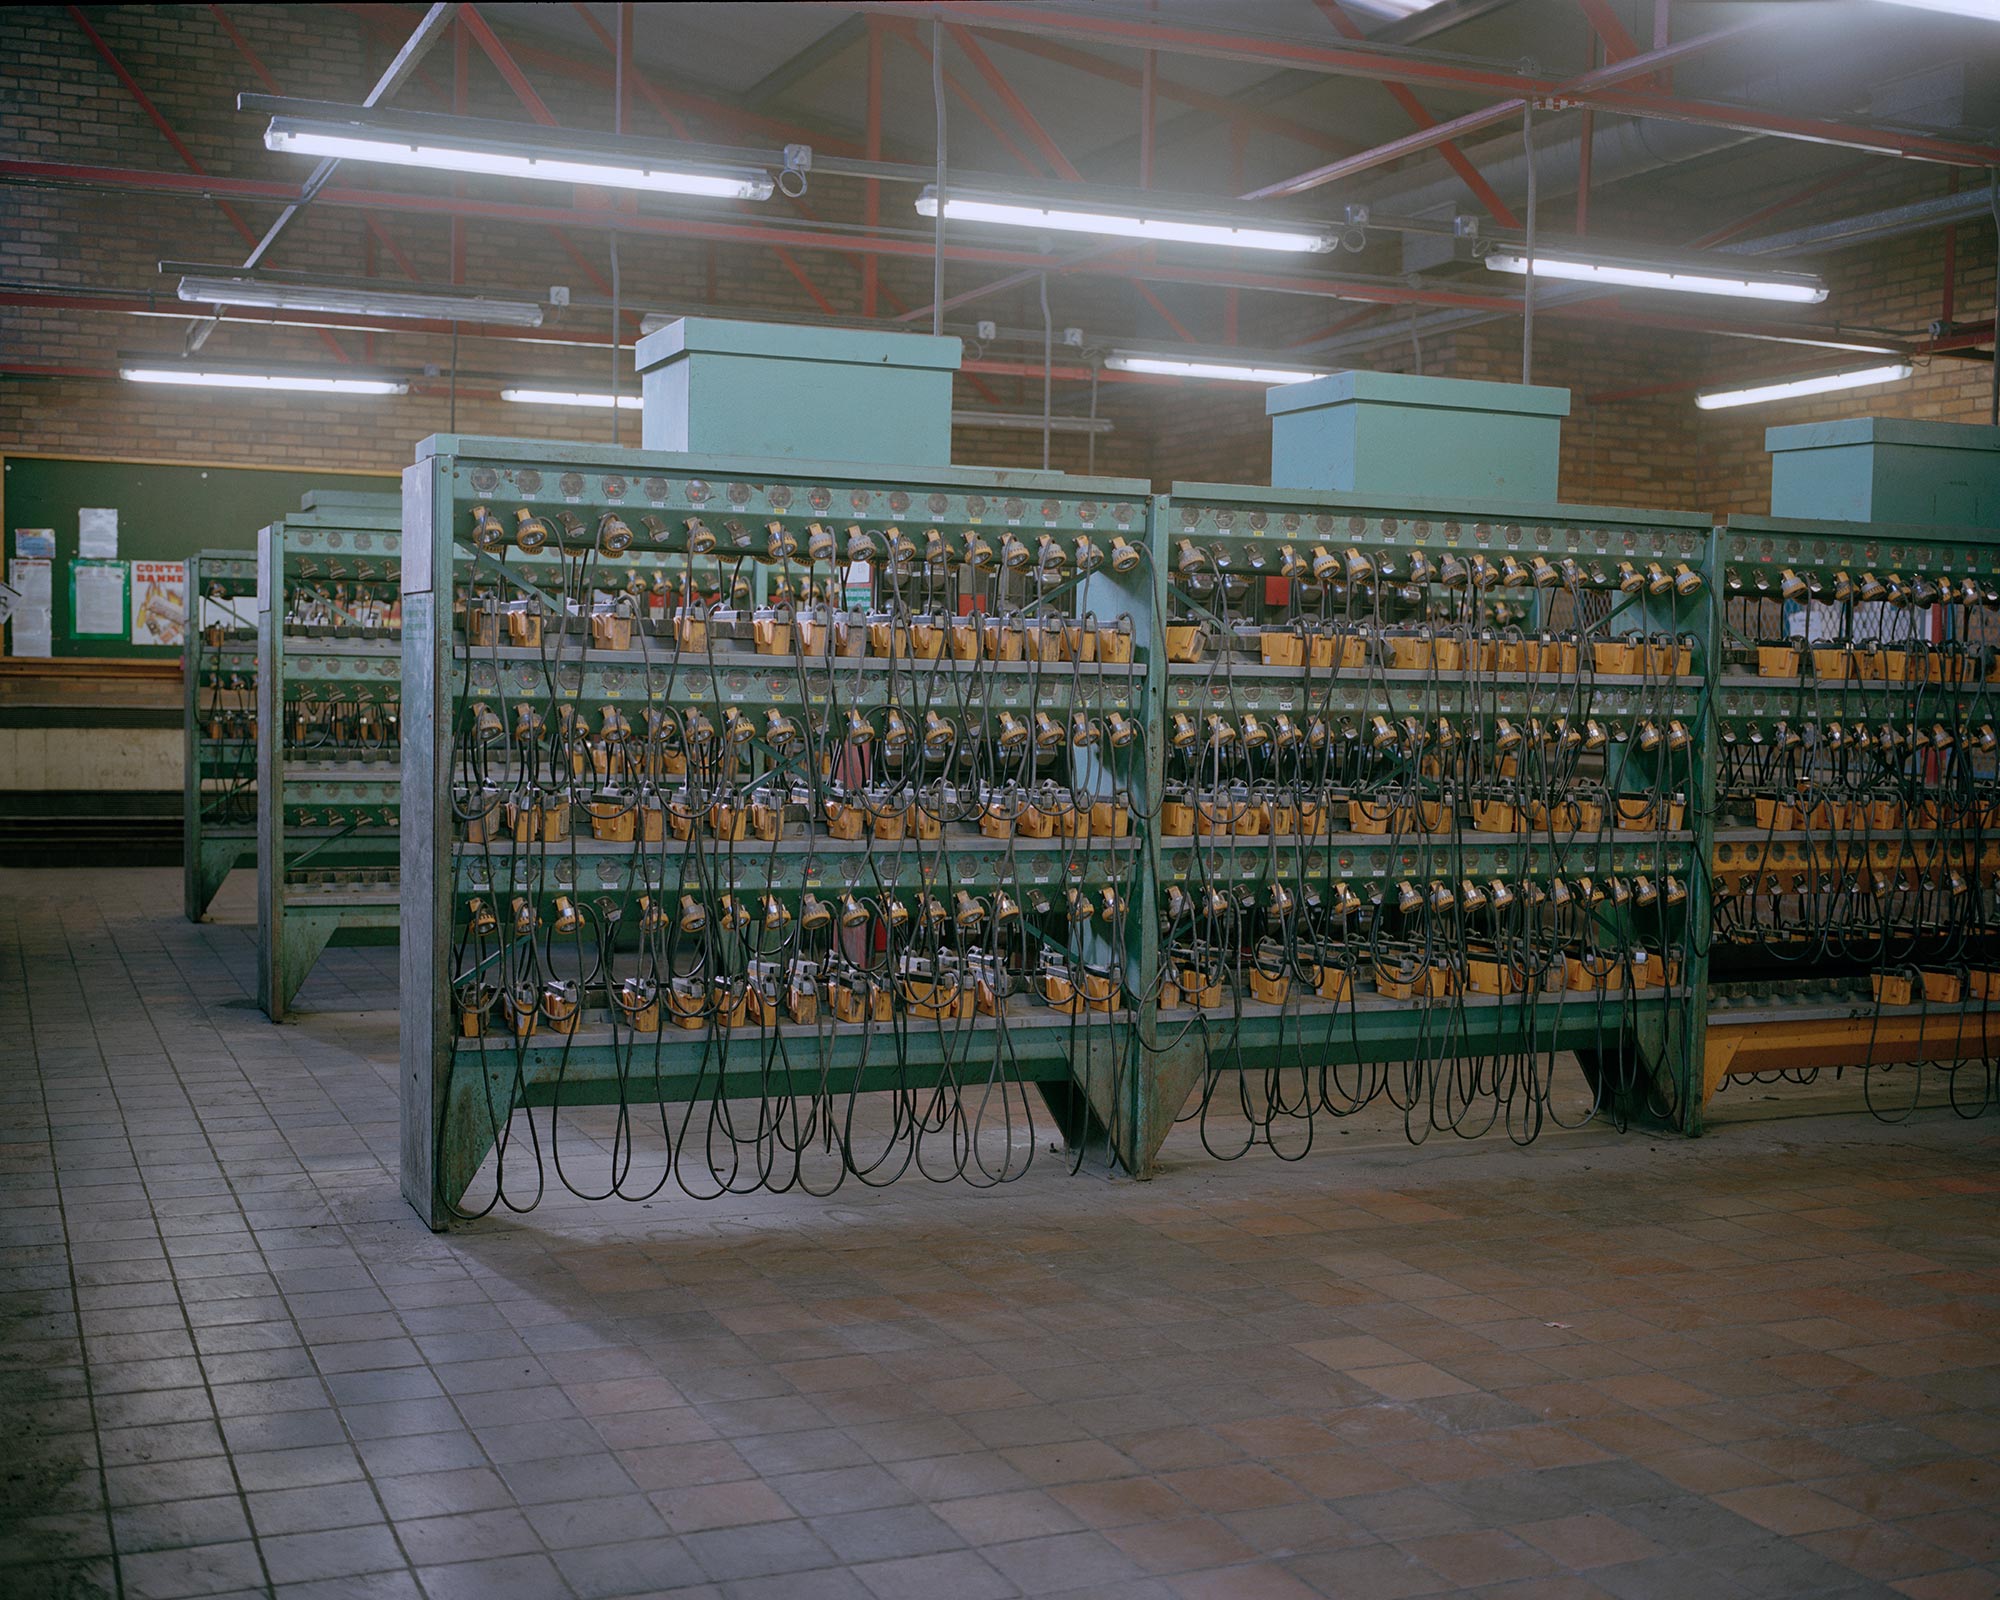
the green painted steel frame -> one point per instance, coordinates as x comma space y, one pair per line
210, 848
1748, 545
296, 923
448, 1122
1668, 1026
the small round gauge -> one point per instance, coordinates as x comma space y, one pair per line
614, 487
572, 484
485, 480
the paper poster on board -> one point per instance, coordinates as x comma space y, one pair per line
98, 592
35, 543
159, 602
30, 630
97, 533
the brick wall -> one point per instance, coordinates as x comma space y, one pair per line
61, 101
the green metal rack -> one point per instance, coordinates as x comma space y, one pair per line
1491, 707
562, 947
1853, 845
219, 750
328, 715
1638, 733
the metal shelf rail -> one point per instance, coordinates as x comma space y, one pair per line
1433, 788
739, 790
329, 774
219, 747
1854, 851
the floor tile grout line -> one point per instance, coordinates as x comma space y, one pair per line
291, 1316
76, 1301
167, 1259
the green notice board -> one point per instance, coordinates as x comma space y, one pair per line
165, 513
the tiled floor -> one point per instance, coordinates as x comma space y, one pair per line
1764, 1363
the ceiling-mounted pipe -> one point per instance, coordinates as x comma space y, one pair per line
1891, 222
1623, 149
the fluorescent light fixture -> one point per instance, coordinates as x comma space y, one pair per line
571, 397
1795, 288
292, 382
1029, 422
1226, 369
1792, 388
1242, 231
439, 147
281, 296
1984, 10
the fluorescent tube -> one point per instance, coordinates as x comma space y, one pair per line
359, 302
1027, 212
303, 383
1984, 10
1198, 367
1791, 388
1795, 290
571, 397
347, 142
1027, 422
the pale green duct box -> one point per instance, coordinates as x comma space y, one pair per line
723, 388
1886, 469
1394, 434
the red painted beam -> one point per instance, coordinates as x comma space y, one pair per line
675, 122
973, 368
1618, 44
1016, 107
504, 63
1414, 109
263, 74
1169, 89
461, 79
907, 33
187, 156
871, 204
396, 20
153, 115
761, 236
1601, 89
1743, 224
1105, 27
1107, 265
679, 127
1502, 111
